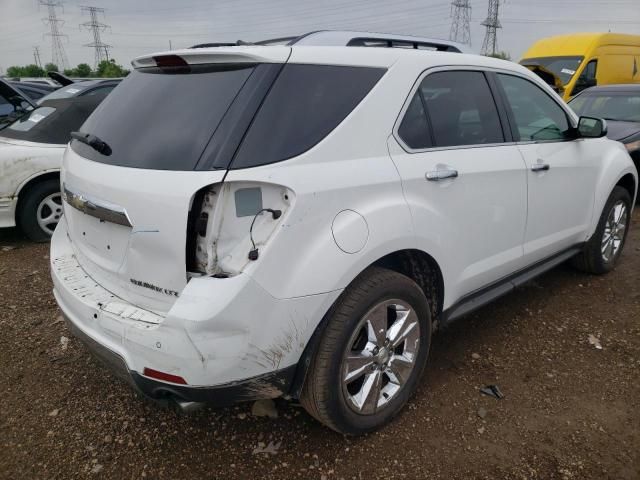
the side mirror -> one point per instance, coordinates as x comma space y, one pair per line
589, 127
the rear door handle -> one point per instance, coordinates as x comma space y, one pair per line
438, 175
540, 167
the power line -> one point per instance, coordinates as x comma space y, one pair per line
101, 49
492, 23
460, 25
58, 55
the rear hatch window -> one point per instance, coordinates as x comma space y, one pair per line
306, 103
163, 119
218, 116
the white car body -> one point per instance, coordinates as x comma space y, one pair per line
356, 197
21, 163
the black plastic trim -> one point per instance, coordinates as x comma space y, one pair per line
224, 143
483, 296
271, 385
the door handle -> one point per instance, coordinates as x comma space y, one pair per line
438, 175
540, 167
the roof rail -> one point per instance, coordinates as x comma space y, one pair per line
370, 39
339, 38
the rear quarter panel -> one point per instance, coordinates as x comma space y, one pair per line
22, 162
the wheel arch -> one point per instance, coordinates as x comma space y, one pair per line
628, 182
416, 264
37, 178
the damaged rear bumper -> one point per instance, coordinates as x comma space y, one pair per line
186, 397
228, 339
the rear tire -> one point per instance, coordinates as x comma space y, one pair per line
358, 379
602, 251
40, 210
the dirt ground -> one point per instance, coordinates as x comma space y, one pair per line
571, 411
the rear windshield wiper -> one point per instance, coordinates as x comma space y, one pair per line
94, 142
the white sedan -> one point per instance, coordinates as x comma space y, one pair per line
31, 150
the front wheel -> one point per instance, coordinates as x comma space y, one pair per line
371, 355
602, 251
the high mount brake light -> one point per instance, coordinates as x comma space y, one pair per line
164, 61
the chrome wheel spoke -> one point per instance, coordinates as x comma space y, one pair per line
377, 326
618, 212
399, 369
370, 392
356, 365
614, 231
404, 328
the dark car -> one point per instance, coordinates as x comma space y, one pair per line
34, 90
620, 106
14, 102
83, 88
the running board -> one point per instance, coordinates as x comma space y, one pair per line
479, 298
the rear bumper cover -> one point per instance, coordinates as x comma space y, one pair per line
227, 338
263, 386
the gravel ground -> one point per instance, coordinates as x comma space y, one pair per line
571, 411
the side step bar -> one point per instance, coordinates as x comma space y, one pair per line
475, 300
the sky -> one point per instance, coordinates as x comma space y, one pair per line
138, 27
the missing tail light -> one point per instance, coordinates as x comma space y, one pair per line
225, 225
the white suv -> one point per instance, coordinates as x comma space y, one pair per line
263, 221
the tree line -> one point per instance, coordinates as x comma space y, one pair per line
106, 69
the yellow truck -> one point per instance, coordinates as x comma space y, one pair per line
576, 61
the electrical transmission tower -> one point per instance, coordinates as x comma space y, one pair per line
460, 25
58, 55
36, 56
101, 49
490, 43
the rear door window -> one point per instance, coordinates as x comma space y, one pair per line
461, 109
414, 130
163, 119
304, 105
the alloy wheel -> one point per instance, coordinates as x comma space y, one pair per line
614, 231
380, 356
49, 212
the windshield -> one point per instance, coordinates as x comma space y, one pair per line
621, 106
564, 67
161, 119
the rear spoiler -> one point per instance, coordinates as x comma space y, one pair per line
234, 55
13, 95
60, 78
